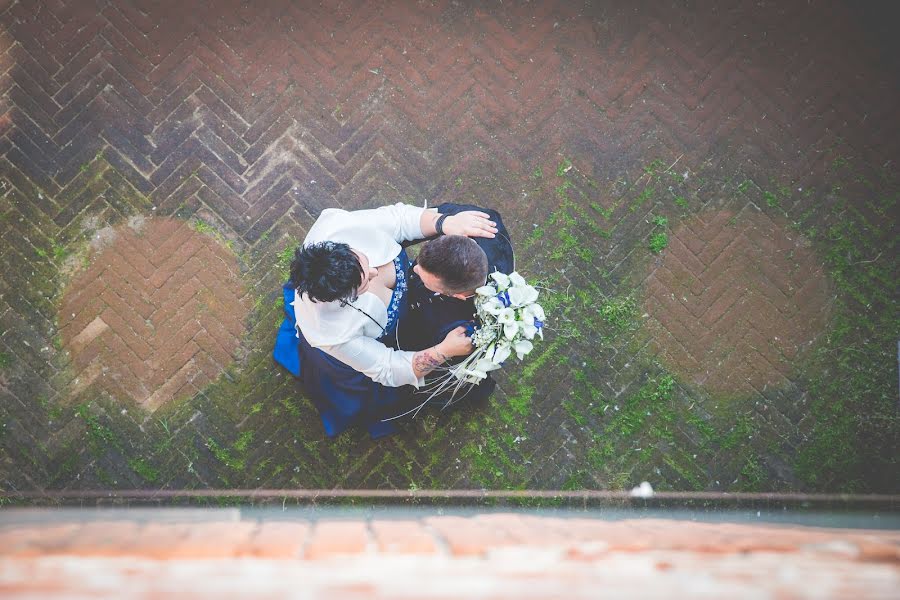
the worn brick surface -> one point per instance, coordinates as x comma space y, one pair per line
734, 294
581, 121
143, 338
584, 557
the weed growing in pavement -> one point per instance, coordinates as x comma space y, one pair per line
619, 312
201, 226
283, 260
659, 240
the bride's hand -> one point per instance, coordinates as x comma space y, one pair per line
470, 223
457, 343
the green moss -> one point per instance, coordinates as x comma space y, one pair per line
144, 469
224, 456
685, 472
491, 465
291, 407
619, 312
6, 360
283, 261
243, 441
639, 407
643, 197
100, 436
520, 399
739, 434
852, 444
606, 213
753, 474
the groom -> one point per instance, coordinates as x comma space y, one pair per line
442, 286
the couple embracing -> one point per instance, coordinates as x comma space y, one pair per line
364, 326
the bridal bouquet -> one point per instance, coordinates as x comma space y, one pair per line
510, 318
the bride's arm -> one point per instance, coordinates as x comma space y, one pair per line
470, 223
405, 222
395, 368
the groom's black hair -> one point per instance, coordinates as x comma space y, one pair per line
458, 261
326, 271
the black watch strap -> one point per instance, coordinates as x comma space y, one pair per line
439, 224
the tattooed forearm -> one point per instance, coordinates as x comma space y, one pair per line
426, 361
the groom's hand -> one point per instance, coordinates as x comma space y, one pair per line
470, 223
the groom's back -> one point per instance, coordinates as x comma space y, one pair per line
429, 316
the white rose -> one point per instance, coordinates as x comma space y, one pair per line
522, 347
486, 290
511, 329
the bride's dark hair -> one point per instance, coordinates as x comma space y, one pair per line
326, 271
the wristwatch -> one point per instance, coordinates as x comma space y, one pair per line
439, 224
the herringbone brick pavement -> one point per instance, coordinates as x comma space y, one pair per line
721, 273
593, 127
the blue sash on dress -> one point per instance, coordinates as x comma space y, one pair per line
342, 395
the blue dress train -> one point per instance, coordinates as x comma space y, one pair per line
342, 395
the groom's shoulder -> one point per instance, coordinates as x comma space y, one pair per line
499, 249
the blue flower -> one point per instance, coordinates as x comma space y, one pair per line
538, 323
504, 298
470, 328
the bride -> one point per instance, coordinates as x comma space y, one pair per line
344, 299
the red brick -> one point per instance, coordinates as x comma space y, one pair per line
36, 540
100, 538
213, 540
465, 536
278, 539
403, 537
337, 538
738, 297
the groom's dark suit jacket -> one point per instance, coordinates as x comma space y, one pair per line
429, 316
